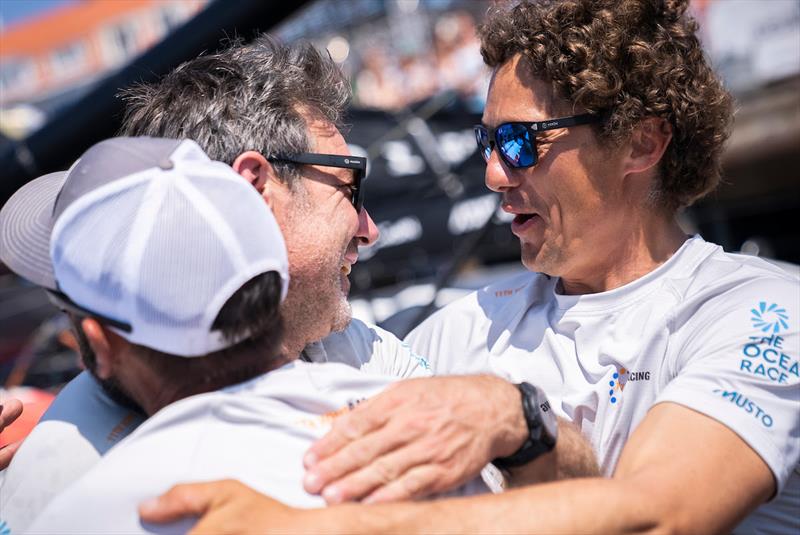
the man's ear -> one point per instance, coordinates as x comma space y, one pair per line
648, 143
104, 343
254, 168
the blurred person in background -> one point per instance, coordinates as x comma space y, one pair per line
378, 83
419, 79
390, 79
261, 108
678, 361
458, 61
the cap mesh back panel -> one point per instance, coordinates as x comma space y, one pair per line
236, 216
189, 271
97, 246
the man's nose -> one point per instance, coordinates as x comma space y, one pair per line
367, 230
500, 177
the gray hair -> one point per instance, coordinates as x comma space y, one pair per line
256, 96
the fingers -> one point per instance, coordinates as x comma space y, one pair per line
362, 420
7, 453
378, 473
192, 499
367, 417
10, 410
223, 507
419, 436
418, 482
352, 457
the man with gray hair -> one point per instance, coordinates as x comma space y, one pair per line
240, 104
271, 112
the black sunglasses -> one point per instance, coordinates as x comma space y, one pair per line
516, 141
65, 304
357, 164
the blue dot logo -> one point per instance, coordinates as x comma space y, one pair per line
617, 385
770, 318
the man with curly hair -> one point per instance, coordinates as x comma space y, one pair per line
677, 360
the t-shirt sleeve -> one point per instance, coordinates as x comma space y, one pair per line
425, 337
392, 356
374, 350
448, 339
446, 336
739, 365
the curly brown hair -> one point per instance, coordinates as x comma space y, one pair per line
627, 59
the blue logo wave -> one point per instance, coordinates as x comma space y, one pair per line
770, 318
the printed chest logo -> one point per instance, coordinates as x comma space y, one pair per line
325, 420
620, 379
764, 355
770, 318
422, 361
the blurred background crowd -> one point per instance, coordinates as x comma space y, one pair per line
419, 85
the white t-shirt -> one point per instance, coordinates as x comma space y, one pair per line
370, 349
712, 331
82, 423
80, 426
256, 432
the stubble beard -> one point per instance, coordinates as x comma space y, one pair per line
316, 304
315, 307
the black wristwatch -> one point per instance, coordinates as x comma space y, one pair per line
542, 428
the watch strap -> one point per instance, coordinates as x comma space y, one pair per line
542, 428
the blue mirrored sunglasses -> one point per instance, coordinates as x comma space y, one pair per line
516, 141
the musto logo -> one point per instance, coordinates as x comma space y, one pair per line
621, 378
770, 318
750, 407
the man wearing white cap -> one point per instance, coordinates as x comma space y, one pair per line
270, 112
321, 215
146, 244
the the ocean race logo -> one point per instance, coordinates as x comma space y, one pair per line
764, 355
770, 318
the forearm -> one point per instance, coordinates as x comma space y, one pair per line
561, 507
572, 457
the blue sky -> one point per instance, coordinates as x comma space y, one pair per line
12, 11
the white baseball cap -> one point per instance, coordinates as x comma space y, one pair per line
149, 235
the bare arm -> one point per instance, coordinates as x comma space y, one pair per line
572, 457
675, 475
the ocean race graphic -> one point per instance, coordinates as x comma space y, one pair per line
770, 318
764, 355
